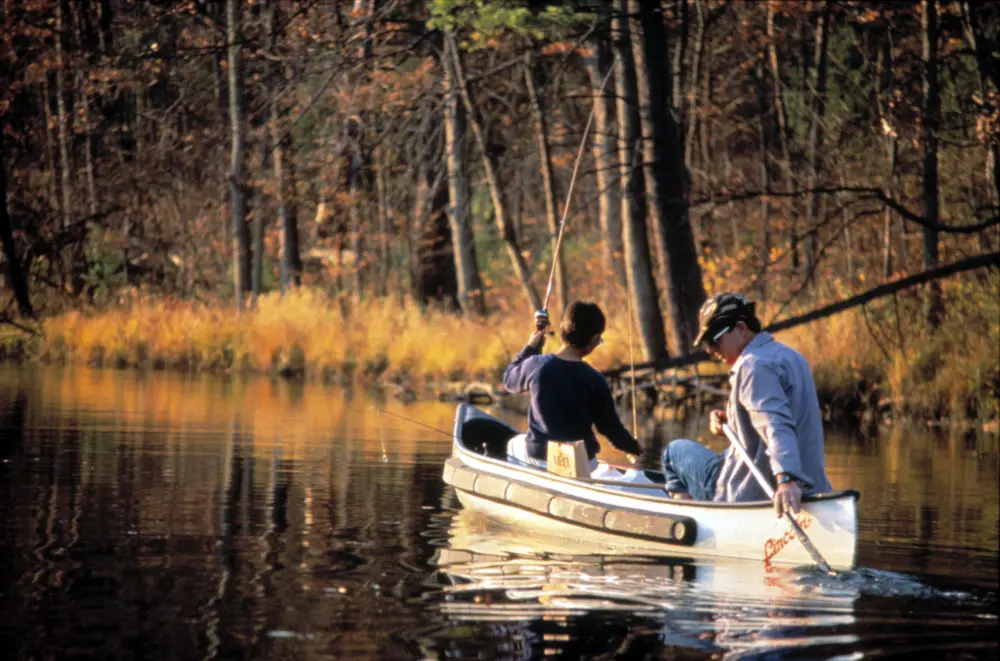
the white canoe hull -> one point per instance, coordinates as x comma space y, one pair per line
616, 519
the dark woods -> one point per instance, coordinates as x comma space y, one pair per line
222, 149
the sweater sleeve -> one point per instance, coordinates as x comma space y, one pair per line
515, 378
609, 424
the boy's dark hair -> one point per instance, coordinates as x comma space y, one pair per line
581, 321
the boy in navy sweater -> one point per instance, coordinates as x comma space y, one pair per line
568, 396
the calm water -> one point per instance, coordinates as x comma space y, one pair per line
172, 517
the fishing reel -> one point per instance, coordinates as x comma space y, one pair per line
542, 320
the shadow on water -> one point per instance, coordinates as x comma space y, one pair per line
164, 516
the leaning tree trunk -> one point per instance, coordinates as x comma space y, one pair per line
470, 285
503, 223
929, 140
884, 85
241, 242
665, 176
548, 180
645, 300
598, 63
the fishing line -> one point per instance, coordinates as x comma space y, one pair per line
628, 298
410, 420
631, 359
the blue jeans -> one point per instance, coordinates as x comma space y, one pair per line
690, 466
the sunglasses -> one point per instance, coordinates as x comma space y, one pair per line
717, 336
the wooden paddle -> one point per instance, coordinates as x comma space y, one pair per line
766, 486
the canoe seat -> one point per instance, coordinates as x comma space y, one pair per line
568, 458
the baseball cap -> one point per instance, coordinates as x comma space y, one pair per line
723, 310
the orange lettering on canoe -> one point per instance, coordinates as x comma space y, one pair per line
774, 545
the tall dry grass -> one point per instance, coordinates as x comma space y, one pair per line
884, 351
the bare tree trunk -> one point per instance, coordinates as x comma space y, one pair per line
765, 182
781, 114
241, 243
986, 71
781, 111
435, 272
677, 71
259, 214
493, 181
692, 114
646, 308
83, 33
598, 63
470, 284
15, 275
548, 180
929, 142
665, 177
818, 107
384, 231
356, 196
290, 259
88, 146
63, 120
884, 77
50, 150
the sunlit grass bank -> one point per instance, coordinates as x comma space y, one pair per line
882, 357
302, 333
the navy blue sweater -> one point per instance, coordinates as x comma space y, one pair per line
568, 399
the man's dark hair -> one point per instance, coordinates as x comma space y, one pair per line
581, 321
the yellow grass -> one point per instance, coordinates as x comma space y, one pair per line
885, 348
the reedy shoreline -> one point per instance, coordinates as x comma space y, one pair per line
879, 360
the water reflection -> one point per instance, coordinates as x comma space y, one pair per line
180, 517
550, 596
499, 574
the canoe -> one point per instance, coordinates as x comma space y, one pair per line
615, 517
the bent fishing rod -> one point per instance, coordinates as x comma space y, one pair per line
541, 316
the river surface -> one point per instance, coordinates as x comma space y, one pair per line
163, 516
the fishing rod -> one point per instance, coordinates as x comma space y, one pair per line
541, 316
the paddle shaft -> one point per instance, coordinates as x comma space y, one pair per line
766, 486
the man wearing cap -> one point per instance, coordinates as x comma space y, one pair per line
772, 406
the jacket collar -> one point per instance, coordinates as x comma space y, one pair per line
760, 340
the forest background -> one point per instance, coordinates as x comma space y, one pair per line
374, 189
